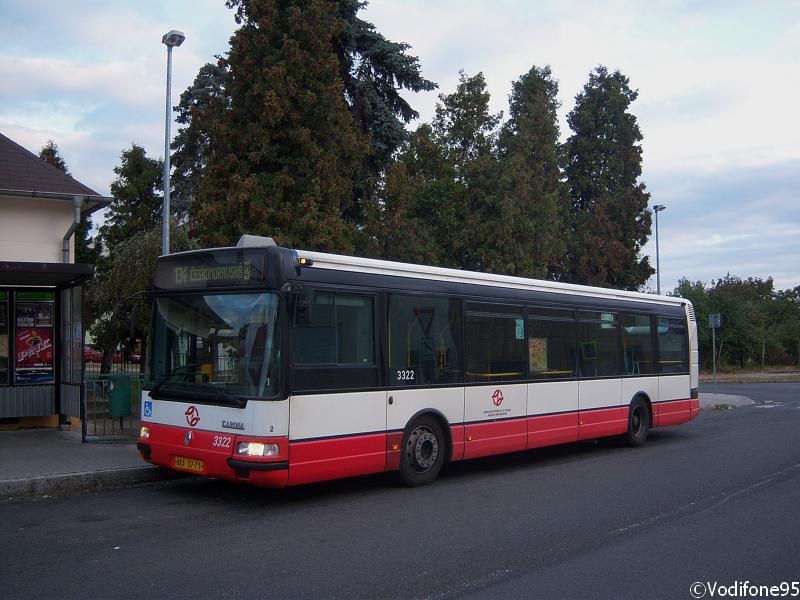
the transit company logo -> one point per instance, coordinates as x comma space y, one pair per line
192, 416
497, 397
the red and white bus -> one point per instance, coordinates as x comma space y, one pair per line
280, 367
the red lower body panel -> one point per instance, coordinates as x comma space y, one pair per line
674, 412
318, 460
603, 422
694, 408
495, 437
548, 430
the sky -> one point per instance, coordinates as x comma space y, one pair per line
718, 86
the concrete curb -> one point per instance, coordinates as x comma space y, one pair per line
709, 401
55, 485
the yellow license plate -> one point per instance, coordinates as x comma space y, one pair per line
188, 464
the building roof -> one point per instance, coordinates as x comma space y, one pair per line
22, 173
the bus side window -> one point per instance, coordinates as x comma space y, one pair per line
551, 343
340, 331
495, 343
424, 340
598, 347
637, 345
673, 345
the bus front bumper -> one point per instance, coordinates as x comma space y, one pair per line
211, 453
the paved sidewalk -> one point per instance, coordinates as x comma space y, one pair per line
41, 462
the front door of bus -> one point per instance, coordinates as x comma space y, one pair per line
337, 420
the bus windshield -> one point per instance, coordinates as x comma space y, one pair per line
216, 347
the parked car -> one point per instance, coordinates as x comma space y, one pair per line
92, 355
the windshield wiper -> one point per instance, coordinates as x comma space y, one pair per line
219, 394
159, 384
198, 391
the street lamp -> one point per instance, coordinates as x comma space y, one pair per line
657, 209
171, 39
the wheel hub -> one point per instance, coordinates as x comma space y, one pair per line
423, 449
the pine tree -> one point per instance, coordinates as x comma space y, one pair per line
374, 70
137, 205
191, 147
527, 228
287, 149
87, 250
610, 221
467, 131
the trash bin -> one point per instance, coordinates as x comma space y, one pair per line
119, 395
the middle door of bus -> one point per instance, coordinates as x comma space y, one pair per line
337, 406
425, 365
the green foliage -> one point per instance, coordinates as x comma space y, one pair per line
287, 149
757, 322
132, 224
87, 250
463, 124
610, 221
191, 148
115, 292
50, 154
137, 204
525, 234
374, 70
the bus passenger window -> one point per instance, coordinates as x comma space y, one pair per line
495, 342
424, 340
340, 331
598, 344
637, 345
673, 345
551, 345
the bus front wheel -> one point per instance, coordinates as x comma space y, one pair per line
638, 423
423, 452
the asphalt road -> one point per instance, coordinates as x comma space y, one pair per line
715, 500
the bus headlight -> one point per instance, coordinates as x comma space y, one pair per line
256, 449
144, 433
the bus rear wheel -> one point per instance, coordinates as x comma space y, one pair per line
638, 423
423, 452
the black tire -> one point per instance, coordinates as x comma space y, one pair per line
423, 452
638, 423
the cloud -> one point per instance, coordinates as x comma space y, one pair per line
743, 221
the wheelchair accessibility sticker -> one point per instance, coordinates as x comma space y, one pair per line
148, 408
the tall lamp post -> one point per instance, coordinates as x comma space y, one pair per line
657, 209
171, 39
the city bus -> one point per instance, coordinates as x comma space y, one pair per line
280, 367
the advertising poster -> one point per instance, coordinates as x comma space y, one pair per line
34, 356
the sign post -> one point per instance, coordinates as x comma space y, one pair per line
714, 321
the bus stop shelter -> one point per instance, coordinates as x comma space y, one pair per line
41, 341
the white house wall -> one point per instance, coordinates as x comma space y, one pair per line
32, 229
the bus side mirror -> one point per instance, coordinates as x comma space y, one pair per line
300, 301
302, 307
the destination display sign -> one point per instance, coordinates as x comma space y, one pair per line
201, 270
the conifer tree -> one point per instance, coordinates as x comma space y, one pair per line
525, 233
87, 250
610, 220
287, 149
137, 203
